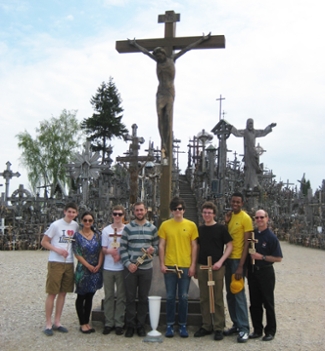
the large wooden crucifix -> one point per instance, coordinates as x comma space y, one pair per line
163, 53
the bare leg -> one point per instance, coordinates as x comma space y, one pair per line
59, 308
49, 303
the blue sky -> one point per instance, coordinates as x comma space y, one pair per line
55, 54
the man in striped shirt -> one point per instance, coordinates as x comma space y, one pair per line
137, 235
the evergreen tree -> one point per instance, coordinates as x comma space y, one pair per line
105, 122
45, 156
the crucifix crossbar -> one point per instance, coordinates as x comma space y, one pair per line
170, 42
115, 244
210, 283
175, 270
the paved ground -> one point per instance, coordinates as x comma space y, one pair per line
300, 307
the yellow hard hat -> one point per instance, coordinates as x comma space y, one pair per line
236, 285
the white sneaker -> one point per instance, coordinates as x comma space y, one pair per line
242, 337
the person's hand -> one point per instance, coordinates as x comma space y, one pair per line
206, 37
217, 266
163, 269
132, 268
150, 250
62, 252
228, 217
239, 273
132, 41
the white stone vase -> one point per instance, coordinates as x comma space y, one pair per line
154, 314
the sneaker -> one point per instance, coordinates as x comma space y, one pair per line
242, 337
218, 335
230, 331
169, 331
183, 332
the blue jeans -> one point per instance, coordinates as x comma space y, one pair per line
182, 285
237, 304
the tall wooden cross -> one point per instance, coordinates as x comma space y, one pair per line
169, 43
210, 283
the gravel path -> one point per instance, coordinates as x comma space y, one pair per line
299, 295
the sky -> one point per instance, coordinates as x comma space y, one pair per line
54, 54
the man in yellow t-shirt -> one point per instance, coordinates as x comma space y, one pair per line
240, 226
177, 245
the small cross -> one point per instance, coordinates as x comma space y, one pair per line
176, 270
210, 283
252, 249
141, 259
69, 240
115, 244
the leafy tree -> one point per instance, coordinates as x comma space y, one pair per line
105, 123
45, 156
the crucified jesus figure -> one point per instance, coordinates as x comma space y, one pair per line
166, 89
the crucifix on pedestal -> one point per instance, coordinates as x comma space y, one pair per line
163, 53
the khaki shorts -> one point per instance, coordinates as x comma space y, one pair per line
60, 277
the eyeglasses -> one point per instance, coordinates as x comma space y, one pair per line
117, 214
178, 209
207, 213
88, 220
259, 217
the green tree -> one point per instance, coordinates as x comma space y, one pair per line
105, 122
45, 155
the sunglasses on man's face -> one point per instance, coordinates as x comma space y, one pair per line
117, 214
178, 209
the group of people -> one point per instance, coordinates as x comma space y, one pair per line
121, 260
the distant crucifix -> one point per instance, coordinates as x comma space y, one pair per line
163, 53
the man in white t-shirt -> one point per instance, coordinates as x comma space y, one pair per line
113, 273
60, 276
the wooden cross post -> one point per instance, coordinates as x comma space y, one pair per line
210, 283
252, 249
115, 244
133, 160
169, 43
176, 270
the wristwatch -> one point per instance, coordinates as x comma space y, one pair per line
264, 258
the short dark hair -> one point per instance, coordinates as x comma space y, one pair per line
71, 205
175, 202
238, 194
210, 205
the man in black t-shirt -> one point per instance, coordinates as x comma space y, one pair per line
212, 239
261, 278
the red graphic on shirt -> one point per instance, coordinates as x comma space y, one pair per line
70, 232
